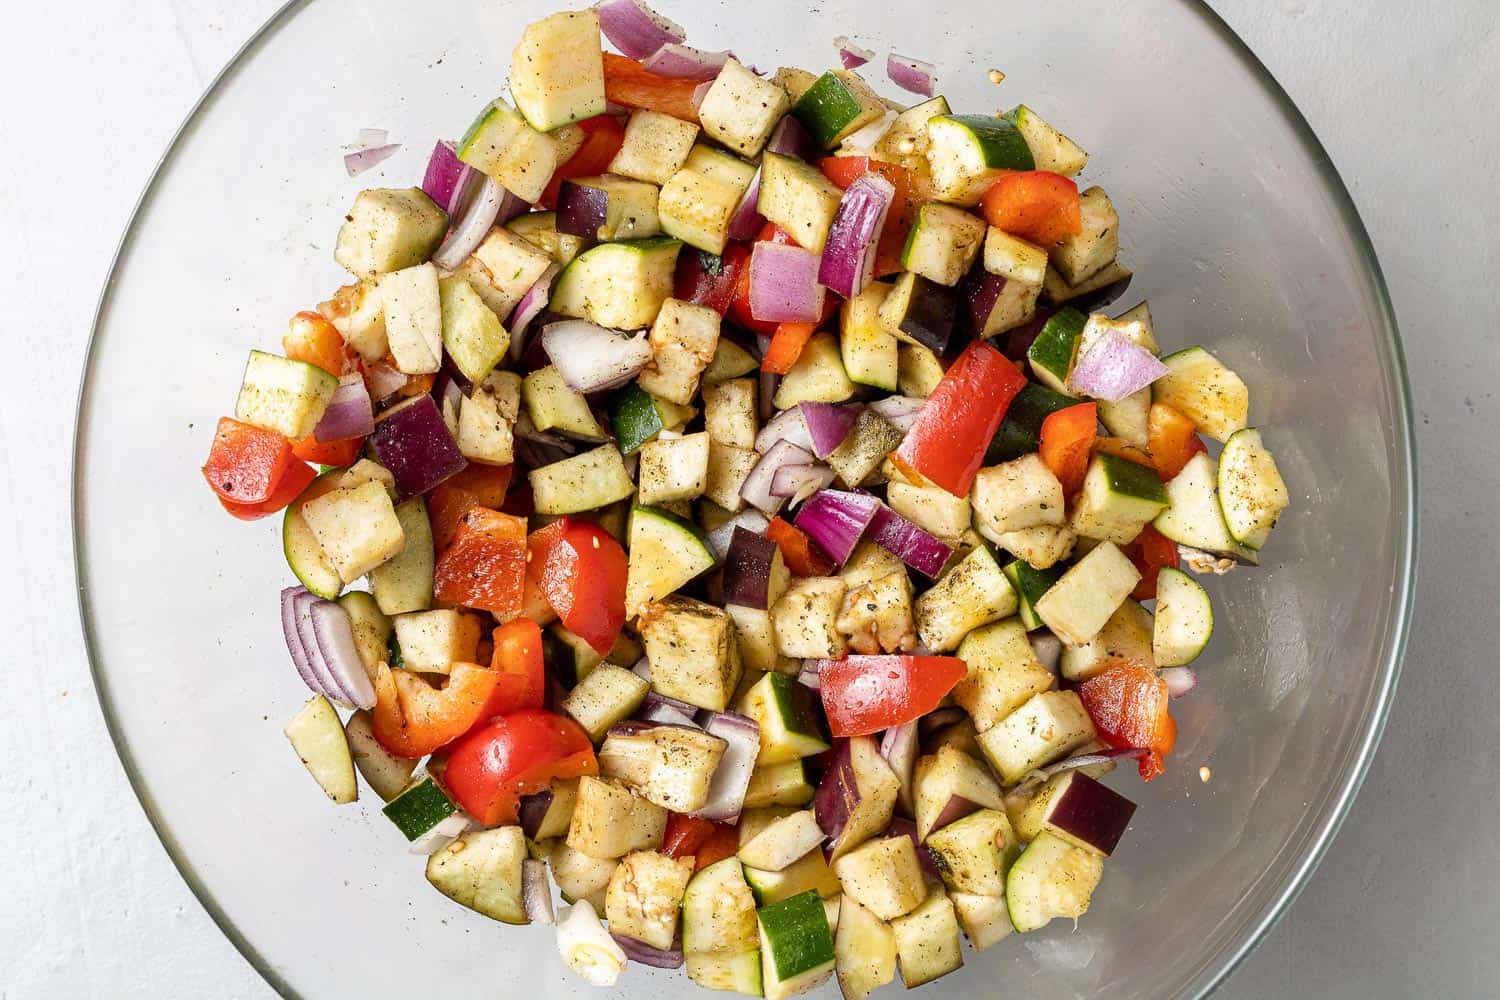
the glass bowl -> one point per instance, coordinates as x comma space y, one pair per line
1239, 231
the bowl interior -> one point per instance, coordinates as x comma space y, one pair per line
1239, 233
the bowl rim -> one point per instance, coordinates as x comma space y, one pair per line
1402, 453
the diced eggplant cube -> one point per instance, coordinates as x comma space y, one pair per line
644, 897
1043, 547
413, 442
927, 944
388, 229
656, 146
610, 821
671, 766
729, 412
728, 468
1017, 495
950, 784
432, 641
857, 796
806, 618
883, 876
931, 508
755, 573
1003, 672
1078, 258
693, 657
683, 340
972, 593
1084, 812
356, 527
740, 109
974, 853
1045, 729
673, 469
414, 318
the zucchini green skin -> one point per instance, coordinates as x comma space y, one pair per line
796, 931
826, 108
1051, 354
420, 808
1020, 433
634, 418
999, 142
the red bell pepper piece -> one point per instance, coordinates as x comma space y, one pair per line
1036, 205
953, 428
518, 653
1067, 442
1151, 551
790, 338
1172, 438
865, 694
412, 718
845, 170
485, 564
581, 570
335, 453
723, 843
685, 835
801, 555
1121, 448
517, 754
476, 486
629, 83
602, 140
253, 471
312, 338
707, 280
1129, 707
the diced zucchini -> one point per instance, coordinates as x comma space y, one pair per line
1196, 517
1051, 878
1077, 606
782, 841
919, 371
473, 336
644, 896
655, 147
720, 936
1049, 148
420, 808
404, 583
1020, 431
805, 618
1125, 638
689, 644
1019, 494
927, 944
582, 482
1045, 729
796, 946
798, 198
609, 694
540, 230
673, 469
557, 71
1213, 396
817, 377
790, 727
740, 109
972, 854
570, 656
1057, 290
634, 417
356, 527
1118, 499
1184, 619
1129, 419
580, 876
810, 873
665, 553
1003, 672
729, 412
618, 285
318, 737
972, 593
857, 459
921, 312
1030, 584
482, 870
869, 350
949, 785
385, 773
943, 243
697, 203
1055, 348
985, 919
865, 950
966, 153
372, 629
282, 395
610, 821
1013, 259
787, 784
835, 105
1251, 490
388, 229
1080, 257
630, 207
883, 876
669, 765
905, 142
502, 145
432, 641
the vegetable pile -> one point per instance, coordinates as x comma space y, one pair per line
769, 540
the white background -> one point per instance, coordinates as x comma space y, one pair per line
1404, 97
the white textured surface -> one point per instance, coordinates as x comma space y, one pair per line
1403, 97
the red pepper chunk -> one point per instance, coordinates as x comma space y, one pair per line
1150, 552
581, 571
947, 442
1067, 443
254, 471
801, 554
1036, 205
629, 83
865, 694
603, 137
1129, 707
485, 564
685, 835
706, 280
518, 653
489, 769
723, 843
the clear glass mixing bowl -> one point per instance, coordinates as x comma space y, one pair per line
1241, 235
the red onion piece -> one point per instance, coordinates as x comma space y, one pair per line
536, 892
836, 521
472, 227
349, 413
700, 92
444, 169
726, 791
915, 75
383, 381
746, 221
757, 486
865, 139
917, 548
722, 537
636, 29
828, 425
685, 62
591, 358
798, 482
412, 440
788, 425
807, 676
293, 637
1082, 760
529, 308
851, 55
335, 637
302, 605
848, 261
1114, 367
1179, 680
464, 189
639, 951
361, 160
784, 284
1047, 648
899, 411
791, 138
899, 747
